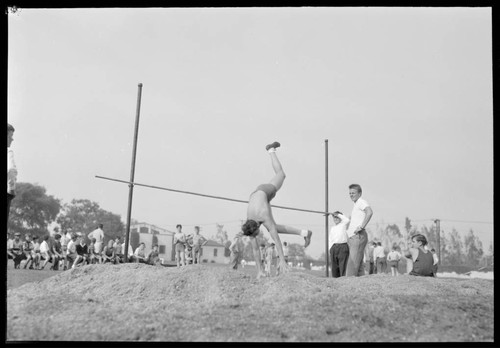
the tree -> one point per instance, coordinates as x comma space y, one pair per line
222, 238
296, 253
473, 249
32, 210
83, 215
454, 249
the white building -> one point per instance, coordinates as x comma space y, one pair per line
213, 252
151, 234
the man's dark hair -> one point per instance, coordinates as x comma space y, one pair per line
420, 238
249, 227
100, 225
179, 225
356, 187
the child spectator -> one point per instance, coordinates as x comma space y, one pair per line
119, 256
180, 242
108, 253
45, 253
140, 254
236, 250
71, 254
393, 260
57, 252
28, 250
82, 252
198, 242
379, 256
153, 257
17, 250
422, 259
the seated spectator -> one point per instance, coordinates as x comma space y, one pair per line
130, 252
10, 240
28, 251
94, 257
140, 254
380, 259
57, 252
16, 250
422, 259
119, 256
108, 253
82, 252
45, 253
71, 254
36, 252
153, 257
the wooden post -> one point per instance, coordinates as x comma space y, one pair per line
326, 208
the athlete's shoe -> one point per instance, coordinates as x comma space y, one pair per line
308, 239
273, 146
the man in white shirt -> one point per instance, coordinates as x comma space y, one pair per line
337, 242
98, 234
357, 236
45, 250
11, 169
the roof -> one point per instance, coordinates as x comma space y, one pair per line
214, 243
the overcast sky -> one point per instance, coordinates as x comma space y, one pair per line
403, 95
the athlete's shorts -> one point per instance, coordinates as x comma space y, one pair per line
269, 189
179, 247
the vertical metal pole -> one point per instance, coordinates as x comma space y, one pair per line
326, 208
438, 231
132, 171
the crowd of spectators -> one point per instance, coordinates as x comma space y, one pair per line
70, 250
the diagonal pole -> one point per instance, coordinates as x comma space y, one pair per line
132, 171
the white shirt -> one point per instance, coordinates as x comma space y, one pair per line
72, 247
44, 247
338, 233
130, 250
436, 259
378, 252
357, 216
394, 255
98, 234
11, 171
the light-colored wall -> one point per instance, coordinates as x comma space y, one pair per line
208, 254
163, 239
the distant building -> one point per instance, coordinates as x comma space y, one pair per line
151, 234
213, 252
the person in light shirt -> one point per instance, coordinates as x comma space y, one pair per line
11, 169
380, 260
45, 251
356, 233
337, 244
98, 234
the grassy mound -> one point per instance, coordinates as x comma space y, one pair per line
208, 303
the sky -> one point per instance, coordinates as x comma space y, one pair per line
400, 99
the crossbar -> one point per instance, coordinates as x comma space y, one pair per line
204, 195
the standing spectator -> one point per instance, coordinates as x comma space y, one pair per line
236, 251
337, 240
393, 260
189, 249
198, 242
11, 169
65, 238
91, 252
179, 242
71, 254
119, 256
369, 256
423, 260
108, 253
262, 249
379, 256
140, 253
82, 252
153, 257
98, 234
360, 216
17, 250
57, 252
45, 253
285, 251
28, 250
436, 261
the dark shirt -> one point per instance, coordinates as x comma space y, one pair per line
82, 250
422, 266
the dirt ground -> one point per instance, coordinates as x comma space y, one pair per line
136, 302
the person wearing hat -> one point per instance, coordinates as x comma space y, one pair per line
16, 249
236, 249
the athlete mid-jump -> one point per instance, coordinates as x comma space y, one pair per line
259, 213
